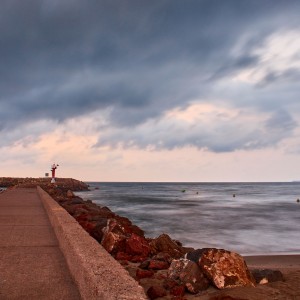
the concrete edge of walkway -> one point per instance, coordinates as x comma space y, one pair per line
97, 274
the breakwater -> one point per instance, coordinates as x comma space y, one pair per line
45, 183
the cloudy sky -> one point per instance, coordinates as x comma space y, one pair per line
161, 90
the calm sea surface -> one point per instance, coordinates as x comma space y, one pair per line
262, 218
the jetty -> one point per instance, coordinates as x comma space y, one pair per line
45, 254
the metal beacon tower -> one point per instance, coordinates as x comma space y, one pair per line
53, 168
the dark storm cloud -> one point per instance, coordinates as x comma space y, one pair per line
62, 59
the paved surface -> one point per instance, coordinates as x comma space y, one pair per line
97, 274
31, 263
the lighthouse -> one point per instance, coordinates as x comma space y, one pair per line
53, 168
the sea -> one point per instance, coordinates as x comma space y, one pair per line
247, 218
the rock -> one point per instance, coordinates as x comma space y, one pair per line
156, 291
70, 194
225, 269
97, 231
113, 242
143, 274
123, 256
158, 265
145, 264
178, 291
176, 268
225, 297
137, 245
76, 200
87, 226
164, 243
163, 257
194, 255
189, 274
193, 278
267, 275
170, 283
137, 259
114, 237
128, 227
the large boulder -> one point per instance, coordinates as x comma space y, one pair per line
137, 245
225, 269
120, 236
189, 274
114, 237
164, 243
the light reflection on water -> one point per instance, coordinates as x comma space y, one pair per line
261, 218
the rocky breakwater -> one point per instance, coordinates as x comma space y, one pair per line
162, 266
63, 184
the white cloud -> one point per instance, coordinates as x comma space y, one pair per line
212, 127
278, 54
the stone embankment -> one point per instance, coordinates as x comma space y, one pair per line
64, 184
162, 266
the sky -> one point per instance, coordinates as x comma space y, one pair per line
160, 90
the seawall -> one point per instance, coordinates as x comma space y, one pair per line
96, 273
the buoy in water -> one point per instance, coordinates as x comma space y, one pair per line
298, 200
233, 195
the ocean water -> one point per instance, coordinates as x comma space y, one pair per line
248, 218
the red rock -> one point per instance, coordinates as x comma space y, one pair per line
143, 274
178, 291
158, 265
113, 242
88, 226
137, 245
70, 194
160, 276
113, 237
225, 269
165, 244
156, 291
128, 227
138, 259
123, 256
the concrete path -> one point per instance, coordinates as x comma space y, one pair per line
32, 265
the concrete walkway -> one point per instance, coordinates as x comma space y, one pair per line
32, 265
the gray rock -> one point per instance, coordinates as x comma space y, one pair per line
188, 273
267, 275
